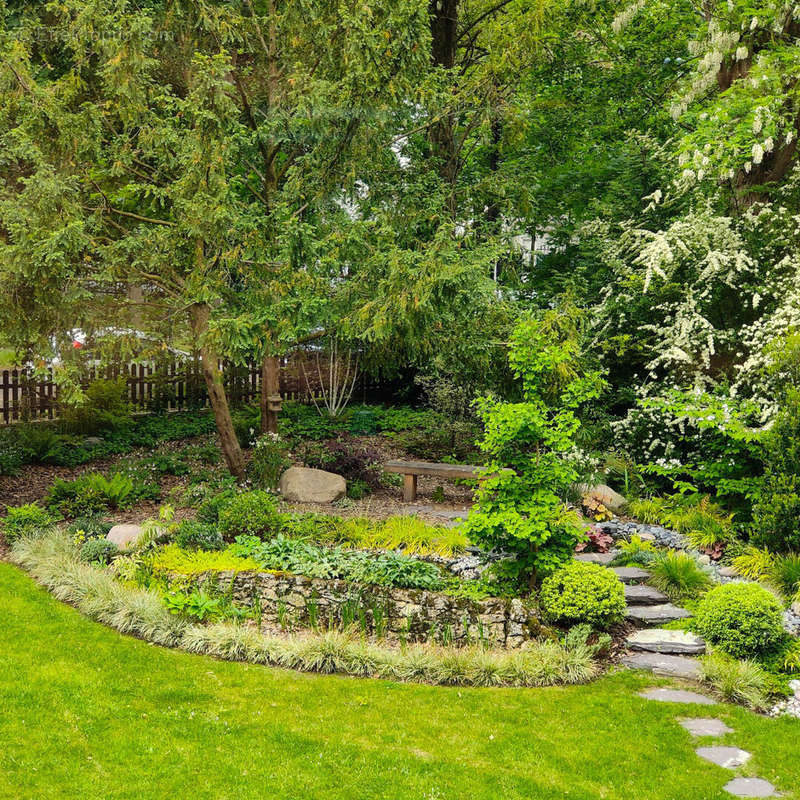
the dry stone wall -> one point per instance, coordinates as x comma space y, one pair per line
292, 602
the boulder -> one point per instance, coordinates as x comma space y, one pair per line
305, 485
631, 574
596, 558
660, 664
641, 595
659, 640
124, 536
655, 615
601, 493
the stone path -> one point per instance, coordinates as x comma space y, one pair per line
661, 651
725, 756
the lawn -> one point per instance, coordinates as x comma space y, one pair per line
88, 713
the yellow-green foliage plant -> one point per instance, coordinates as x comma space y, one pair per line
407, 533
415, 537
695, 515
194, 562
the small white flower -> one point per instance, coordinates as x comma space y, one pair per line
758, 153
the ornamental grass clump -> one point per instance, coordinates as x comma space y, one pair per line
678, 575
582, 592
745, 682
53, 560
743, 619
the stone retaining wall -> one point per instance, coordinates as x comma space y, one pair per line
291, 602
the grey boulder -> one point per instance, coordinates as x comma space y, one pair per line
305, 485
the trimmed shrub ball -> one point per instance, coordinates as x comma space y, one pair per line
582, 592
250, 514
744, 619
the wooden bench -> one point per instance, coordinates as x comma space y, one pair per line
411, 469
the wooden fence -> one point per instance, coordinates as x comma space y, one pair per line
155, 386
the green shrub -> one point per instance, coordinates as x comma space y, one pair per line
250, 514
445, 438
678, 575
530, 445
581, 592
105, 407
358, 489
12, 453
210, 508
26, 520
99, 551
91, 527
776, 511
269, 460
744, 619
191, 535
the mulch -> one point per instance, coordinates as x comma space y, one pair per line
34, 481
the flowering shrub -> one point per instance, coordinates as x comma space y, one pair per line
268, 462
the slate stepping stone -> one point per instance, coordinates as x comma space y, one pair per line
640, 595
596, 558
676, 696
654, 615
728, 757
660, 664
750, 787
658, 640
706, 726
631, 574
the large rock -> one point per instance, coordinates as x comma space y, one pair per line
601, 493
642, 595
655, 615
631, 574
596, 558
124, 536
659, 640
304, 485
660, 664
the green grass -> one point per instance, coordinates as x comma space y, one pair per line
86, 712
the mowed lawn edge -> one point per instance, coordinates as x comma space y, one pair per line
87, 712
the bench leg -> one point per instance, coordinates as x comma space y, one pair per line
409, 488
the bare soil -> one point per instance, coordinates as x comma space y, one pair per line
34, 480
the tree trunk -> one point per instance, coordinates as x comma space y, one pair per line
444, 46
198, 316
270, 386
